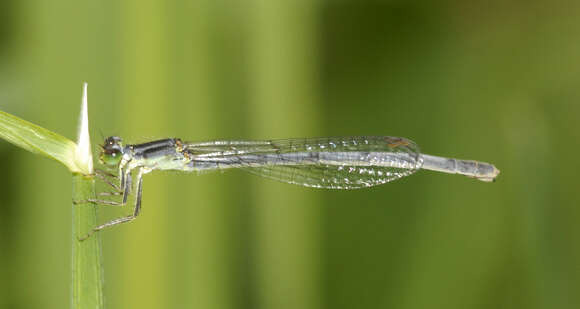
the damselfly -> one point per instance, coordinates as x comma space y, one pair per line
331, 163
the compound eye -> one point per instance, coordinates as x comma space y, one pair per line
112, 157
111, 153
112, 141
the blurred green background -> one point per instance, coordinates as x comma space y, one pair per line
496, 81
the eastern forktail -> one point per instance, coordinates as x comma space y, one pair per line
331, 163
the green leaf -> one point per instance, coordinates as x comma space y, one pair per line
38, 140
87, 265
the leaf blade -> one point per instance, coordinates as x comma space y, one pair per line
38, 140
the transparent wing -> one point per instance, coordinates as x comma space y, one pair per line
333, 163
330, 177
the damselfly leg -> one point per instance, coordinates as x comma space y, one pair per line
116, 189
126, 191
105, 176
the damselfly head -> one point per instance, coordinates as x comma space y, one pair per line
111, 151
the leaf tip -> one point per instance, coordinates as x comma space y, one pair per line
84, 158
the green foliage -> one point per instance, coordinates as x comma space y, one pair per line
86, 265
493, 80
38, 140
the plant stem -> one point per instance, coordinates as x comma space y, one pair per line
87, 258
